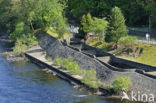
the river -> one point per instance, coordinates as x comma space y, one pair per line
25, 82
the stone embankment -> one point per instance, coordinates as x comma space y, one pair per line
38, 56
107, 66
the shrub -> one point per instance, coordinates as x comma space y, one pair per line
89, 76
58, 62
128, 44
19, 47
49, 59
20, 29
121, 83
24, 42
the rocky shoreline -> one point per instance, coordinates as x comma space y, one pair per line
7, 52
9, 56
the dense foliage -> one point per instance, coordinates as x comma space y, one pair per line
136, 12
117, 27
23, 43
20, 15
22, 18
96, 26
121, 84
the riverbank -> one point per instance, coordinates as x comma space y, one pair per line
88, 58
38, 56
8, 49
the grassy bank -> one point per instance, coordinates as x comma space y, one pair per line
148, 55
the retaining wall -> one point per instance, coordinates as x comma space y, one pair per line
54, 49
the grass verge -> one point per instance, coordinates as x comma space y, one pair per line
129, 51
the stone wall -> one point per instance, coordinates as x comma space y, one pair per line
54, 49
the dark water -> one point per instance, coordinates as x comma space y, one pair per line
24, 82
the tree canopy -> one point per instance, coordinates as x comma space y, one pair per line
34, 14
136, 12
117, 27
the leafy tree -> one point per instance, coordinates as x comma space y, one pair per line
94, 25
133, 11
100, 26
117, 27
20, 29
87, 23
34, 14
149, 7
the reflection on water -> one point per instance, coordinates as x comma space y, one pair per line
24, 82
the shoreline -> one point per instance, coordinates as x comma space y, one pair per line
7, 52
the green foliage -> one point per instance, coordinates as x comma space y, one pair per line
100, 26
87, 23
20, 29
121, 83
23, 43
49, 58
133, 10
34, 14
117, 27
129, 45
94, 25
89, 76
57, 62
49, 13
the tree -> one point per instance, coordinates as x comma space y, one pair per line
94, 25
87, 23
100, 26
117, 27
135, 13
33, 14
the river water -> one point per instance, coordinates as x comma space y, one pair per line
24, 82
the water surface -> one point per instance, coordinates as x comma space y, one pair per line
24, 82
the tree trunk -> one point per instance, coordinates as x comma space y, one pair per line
32, 26
116, 45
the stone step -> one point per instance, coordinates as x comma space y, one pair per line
104, 59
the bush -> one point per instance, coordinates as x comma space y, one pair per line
49, 59
57, 62
89, 76
20, 29
19, 47
121, 83
24, 42
128, 44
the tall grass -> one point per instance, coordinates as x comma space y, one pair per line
89, 76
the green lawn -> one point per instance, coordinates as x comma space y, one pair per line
147, 57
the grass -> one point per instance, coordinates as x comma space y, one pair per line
89, 76
49, 58
148, 55
23, 43
53, 33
